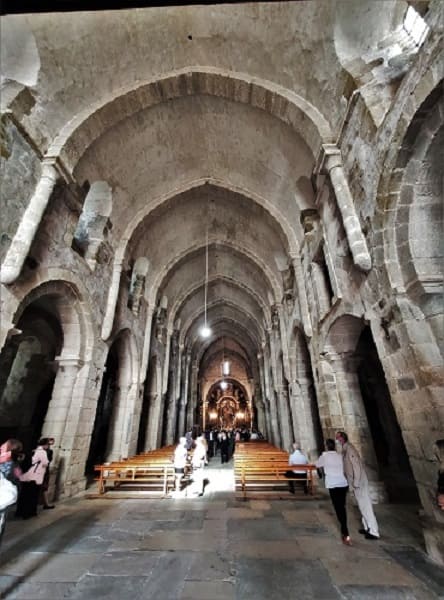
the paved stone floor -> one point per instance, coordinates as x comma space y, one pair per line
211, 548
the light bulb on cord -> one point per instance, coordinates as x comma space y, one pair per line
205, 331
223, 385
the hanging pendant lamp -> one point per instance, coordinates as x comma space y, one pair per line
205, 330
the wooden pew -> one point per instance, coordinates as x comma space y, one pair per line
270, 474
260, 465
153, 470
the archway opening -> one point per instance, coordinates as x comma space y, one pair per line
28, 370
393, 462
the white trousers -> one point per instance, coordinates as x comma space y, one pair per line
362, 495
198, 480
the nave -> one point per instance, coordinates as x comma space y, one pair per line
222, 217
213, 548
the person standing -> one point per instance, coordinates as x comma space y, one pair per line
180, 462
45, 484
10, 453
198, 463
297, 457
31, 482
332, 464
357, 480
224, 448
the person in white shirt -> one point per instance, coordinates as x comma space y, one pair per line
180, 461
297, 457
331, 462
198, 462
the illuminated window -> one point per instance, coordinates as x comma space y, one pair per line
415, 26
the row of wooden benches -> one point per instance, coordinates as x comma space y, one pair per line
260, 468
151, 471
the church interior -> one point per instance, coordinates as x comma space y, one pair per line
226, 215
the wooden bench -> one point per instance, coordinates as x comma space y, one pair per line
256, 474
155, 474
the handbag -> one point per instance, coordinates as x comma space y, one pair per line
8, 493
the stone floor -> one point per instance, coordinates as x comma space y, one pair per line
210, 548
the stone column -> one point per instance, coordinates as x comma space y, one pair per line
62, 419
344, 199
302, 296
173, 390
186, 360
320, 289
354, 418
30, 222
192, 401
155, 404
307, 417
113, 294
296, 401
261, 418
146, 343
273, 420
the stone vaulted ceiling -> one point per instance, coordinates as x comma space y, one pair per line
206, 122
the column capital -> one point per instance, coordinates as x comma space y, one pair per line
73, 362
329, 157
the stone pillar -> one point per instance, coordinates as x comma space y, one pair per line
24, 236
166, 364
302, 296
272, 417
285, 414
320, 289
116, 449
174, 389
344, 199
261, 418
354, 419
184, 395
155, 404
296, 402
307, 417
62, 420
192, 400
146, 343
130, 421
113, 294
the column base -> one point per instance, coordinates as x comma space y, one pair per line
434, 538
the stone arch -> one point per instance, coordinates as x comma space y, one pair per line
284, 104
343, 334
187, 292
122, 249
60, 282
343, 397
413, 226
60, 305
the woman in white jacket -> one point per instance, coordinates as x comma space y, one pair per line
31, 481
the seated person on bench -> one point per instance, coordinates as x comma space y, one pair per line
297, 457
